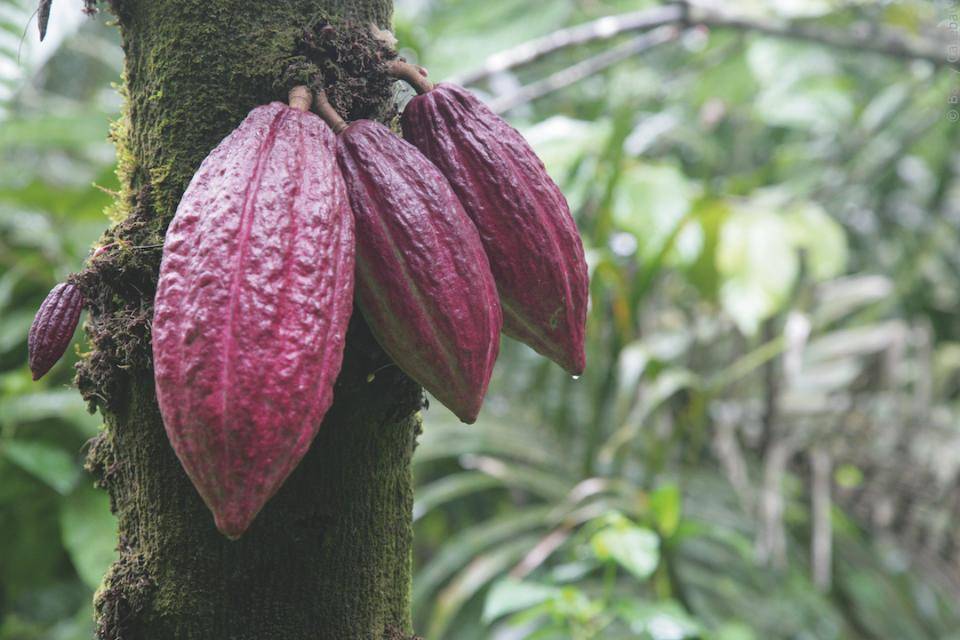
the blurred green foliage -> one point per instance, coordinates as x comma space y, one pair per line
771, 228
56, 531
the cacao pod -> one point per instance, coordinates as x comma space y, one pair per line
252, 306
53, 328
423, 281
535, 251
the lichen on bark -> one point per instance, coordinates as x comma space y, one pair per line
329, 556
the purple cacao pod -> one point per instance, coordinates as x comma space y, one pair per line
53, 328
252, 306
535, 251
423, 281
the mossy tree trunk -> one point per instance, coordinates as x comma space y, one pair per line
329, 556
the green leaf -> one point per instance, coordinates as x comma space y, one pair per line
775, 62
473, 541
474, 577
46, 462
560, 141
563, 143
758, 262
735, 631
8, 284
665, 503
30, 540
89, 532
509, 438
14, 327
449, 488
800, 86
573, 605
709, 215
659, 621
75, 131
664, 386
540, 482
650, 202
510, 595
883, 106
636, 549
79, 627
821, 237
65, 404
848, 476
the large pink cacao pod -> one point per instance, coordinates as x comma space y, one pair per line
535, 251
423, 281
53, 328
252, 306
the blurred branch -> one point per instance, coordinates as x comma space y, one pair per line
771, 541
771, 385
861, 37
585, 69
734, 464
821, 467
602, 29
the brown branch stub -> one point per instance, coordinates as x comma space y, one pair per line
347, 61
300, 98
413, 75
329, 114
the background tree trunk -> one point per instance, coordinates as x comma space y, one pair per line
329, 555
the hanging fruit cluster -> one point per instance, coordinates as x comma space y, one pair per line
444, 240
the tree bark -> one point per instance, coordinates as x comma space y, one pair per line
329, 555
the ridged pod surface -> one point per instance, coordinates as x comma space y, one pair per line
252, 306
423, 281
53, 328
534, 248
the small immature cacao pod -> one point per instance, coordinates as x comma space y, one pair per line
252, 306
53, 328
535, 251
423, 281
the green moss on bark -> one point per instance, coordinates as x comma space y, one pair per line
329, 556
